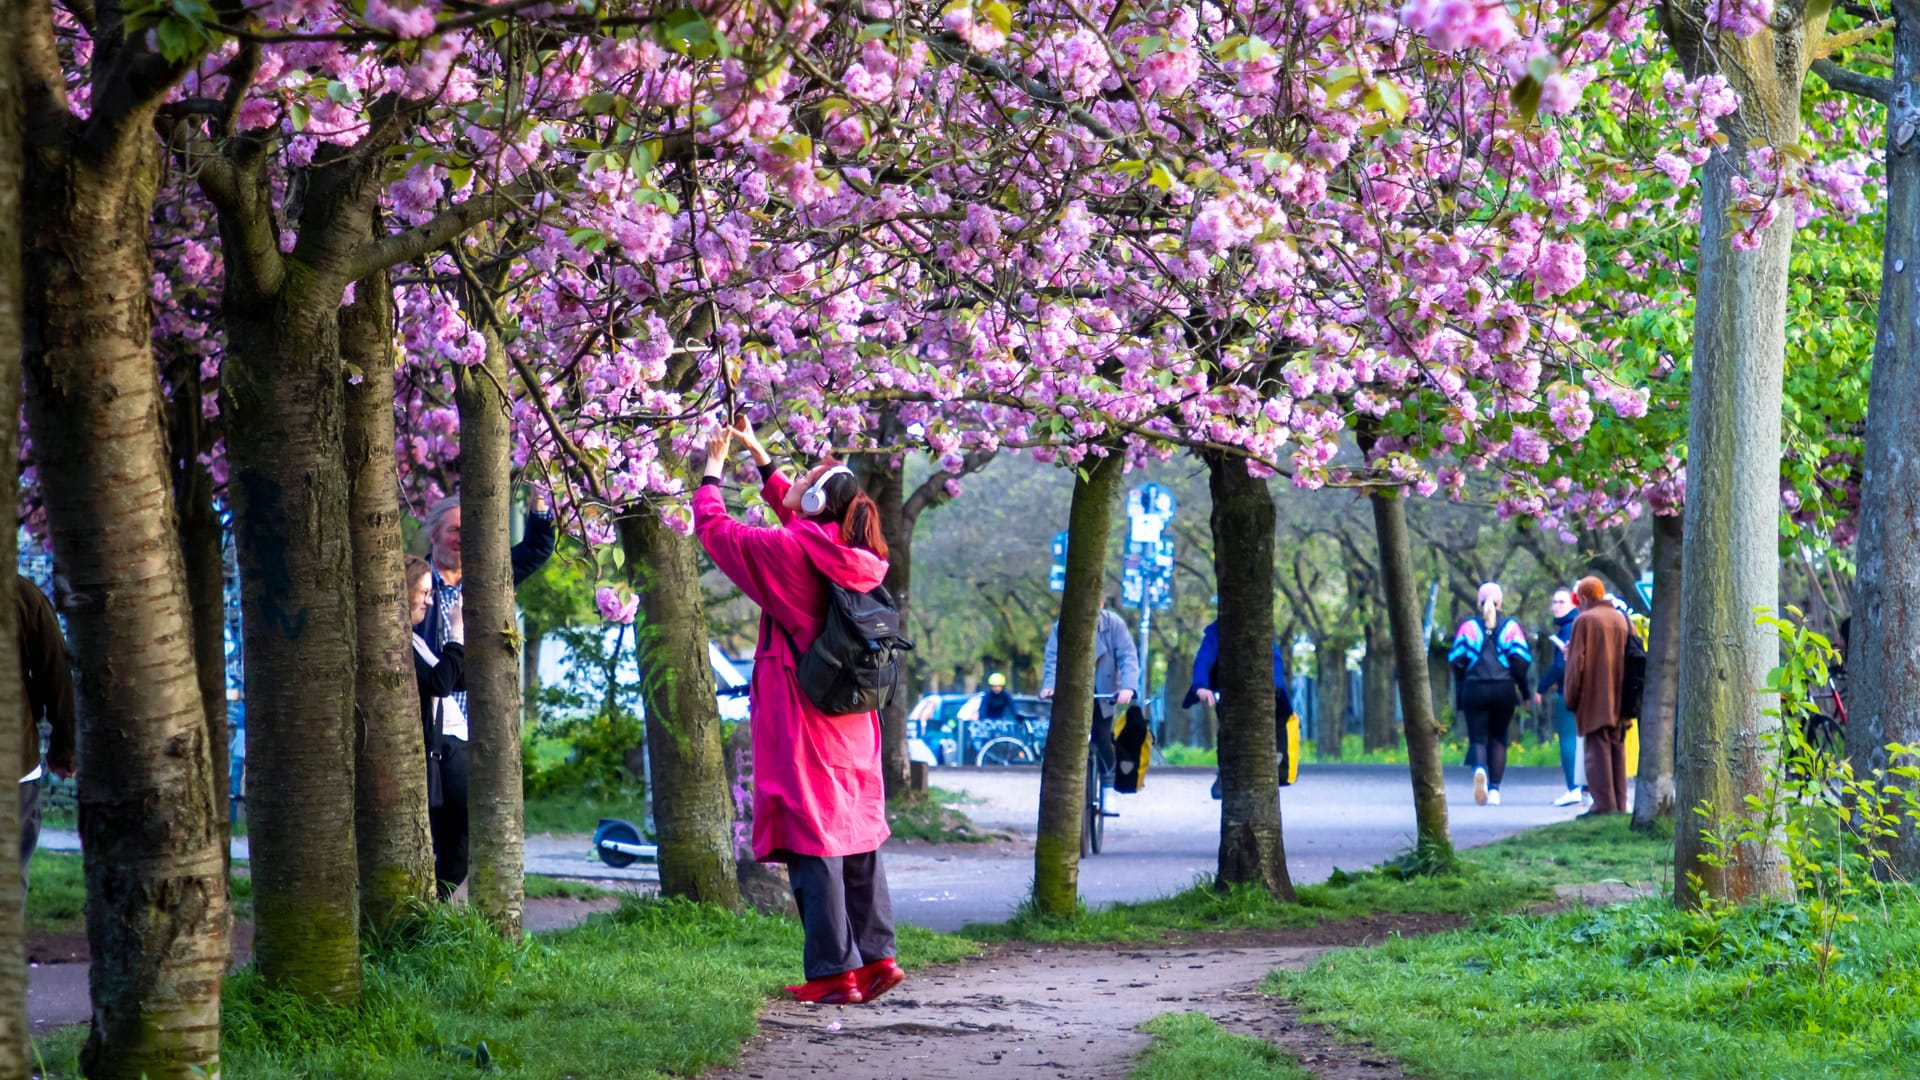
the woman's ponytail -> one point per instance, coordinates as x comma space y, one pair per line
860, 526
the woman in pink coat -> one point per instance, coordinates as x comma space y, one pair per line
819, 803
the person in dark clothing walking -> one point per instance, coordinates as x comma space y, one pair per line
1206, 677
441, 677
1553, 692
1490, 659
47, 680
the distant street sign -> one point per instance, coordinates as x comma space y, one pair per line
1057, 577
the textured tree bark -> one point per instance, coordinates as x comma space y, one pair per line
1376, 688
496, 884
1435, 844
1653, 795
157, 919
1884, 666
15, 1033
285, 400
1251, 847
1330, 677
201, 539
395, 851
887, 487
1730, 550
692, 800
1063, 771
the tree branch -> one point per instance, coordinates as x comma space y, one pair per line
445, 227
952, 48
933, 491
1858, 84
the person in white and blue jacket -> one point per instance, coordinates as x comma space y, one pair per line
1490, 661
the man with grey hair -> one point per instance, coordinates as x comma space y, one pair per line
1116, 674
448, 821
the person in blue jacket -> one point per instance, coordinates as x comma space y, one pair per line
1206, 673
1553, 690
1489, 659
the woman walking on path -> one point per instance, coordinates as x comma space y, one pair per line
441, 676
1553, 692
1489, 660
819, 802
1596, 660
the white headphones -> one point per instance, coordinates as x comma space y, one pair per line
815, 500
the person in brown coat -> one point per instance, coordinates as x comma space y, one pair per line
1596, 663
48, 683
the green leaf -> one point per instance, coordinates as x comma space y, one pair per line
299, 114
1000, 16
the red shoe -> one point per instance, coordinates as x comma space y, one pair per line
841, 989
878, 977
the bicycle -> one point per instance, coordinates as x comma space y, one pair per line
1094, 812
1022, 747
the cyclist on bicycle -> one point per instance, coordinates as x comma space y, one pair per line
1116, 675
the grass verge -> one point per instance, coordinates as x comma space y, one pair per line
1635, 990
571, 814
932, 818
57, 892
655, 988
1530, 754
1498, 878
1190, 1046
549, 888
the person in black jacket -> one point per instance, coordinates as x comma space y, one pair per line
1552, 691
441, 676
442, 526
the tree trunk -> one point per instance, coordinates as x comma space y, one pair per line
157, 920
1063, 773
530, 672
886, 486
285, 403
1884, 666
1731, 545
1251, 847
1439, 687
201, 549
1179, 721
1376, 688
390, 777
1653, 797
1435, 845
15, 1033
692, 803
496, 884
1330, 708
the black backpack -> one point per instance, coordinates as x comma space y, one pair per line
1633, 675
853, 666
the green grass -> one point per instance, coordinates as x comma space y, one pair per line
57, 892
1519, 754
1203, 909
1634, 990
1498, 878
657, 988
548, 888
1582, 852
1190, 1046
934, 820
573, 814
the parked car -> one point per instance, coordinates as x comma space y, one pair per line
946, 729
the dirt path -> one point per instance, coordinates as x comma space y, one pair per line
1043, 1011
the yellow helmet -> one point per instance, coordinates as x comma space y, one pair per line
997, 680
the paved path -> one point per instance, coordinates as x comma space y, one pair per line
1346, 816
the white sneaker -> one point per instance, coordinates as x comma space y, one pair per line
1493, 797
1586, 798
1572, 796
1480, 786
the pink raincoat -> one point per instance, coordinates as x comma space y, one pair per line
817, 788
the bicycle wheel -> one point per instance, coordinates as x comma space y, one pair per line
1093, 813
1005, 750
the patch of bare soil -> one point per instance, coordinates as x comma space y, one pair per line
1072, 1011
1601, 894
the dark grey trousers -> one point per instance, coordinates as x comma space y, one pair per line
844, 910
